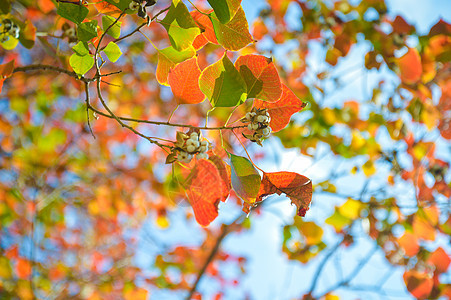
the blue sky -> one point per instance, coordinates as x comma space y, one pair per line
269, 274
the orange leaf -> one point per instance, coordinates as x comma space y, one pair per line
418, 284
106, 8
225, 173
282, 110
204, 23
184, 82
204, 193
5, 71
410, 66
297, 187
261, 77
409, 243
46, 5
440, 259
23, 268
423, 223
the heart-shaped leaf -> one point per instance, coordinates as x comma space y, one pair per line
282, 110
235, 34
184, 82
112, 51
261, 77
222, 84
297, 187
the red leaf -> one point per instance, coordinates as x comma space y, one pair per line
184, 82
440, 259
23, 268
204, 193
418, 284
282, 110
297, 187
261, 77
410, 66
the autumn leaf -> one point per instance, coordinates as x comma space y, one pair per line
184, 82
409, 243
222, 84
235, 34
225, 9
410, 66
282, 110
203, 191
261, 77
168, 58
204, 23
440, 259
225, 173
418, 284
245, 178
181, 28
6, 71
297, 187
23, 268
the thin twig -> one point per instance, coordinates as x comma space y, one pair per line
87, 108
322, 264
165, 123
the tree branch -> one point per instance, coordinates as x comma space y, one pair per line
226, 229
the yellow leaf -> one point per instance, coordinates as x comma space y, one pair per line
162, 222
368, 168
429, 116
338, 221
358, 141
5, 268
312, 232
329, 116
351, 209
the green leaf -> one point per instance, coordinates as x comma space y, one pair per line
225, 9
235, 34
114, 31
181, 28
81, 48
222, 84
121, 4
5, 6
73, 12
245, 178
112, 51
169, 58
81, 63
87, 31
